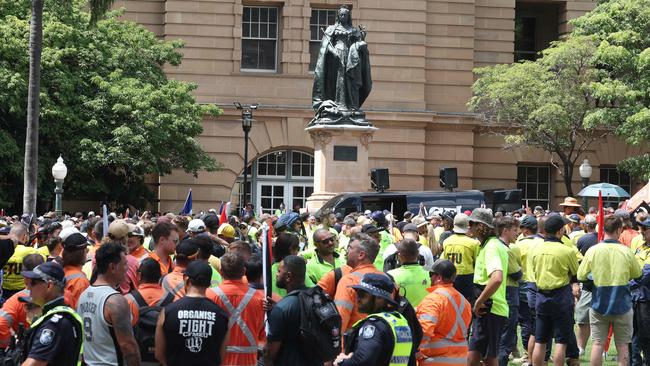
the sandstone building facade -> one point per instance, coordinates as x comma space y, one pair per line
422, 52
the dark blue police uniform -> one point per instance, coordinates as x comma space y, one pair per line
56, 340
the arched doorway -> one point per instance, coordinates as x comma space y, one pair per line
282, 176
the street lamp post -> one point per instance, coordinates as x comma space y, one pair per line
585, 173
59, 171
246, 124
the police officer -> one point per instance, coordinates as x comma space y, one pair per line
55, 338
384, 337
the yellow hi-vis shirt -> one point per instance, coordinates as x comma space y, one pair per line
553, 264
525, 245
514, 265
637, 242
12, 278
462, 251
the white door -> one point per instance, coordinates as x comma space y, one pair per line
271, 194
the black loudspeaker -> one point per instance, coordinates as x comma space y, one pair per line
448, 178
379, 179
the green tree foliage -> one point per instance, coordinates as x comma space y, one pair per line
546, 104
621, 29
106, 105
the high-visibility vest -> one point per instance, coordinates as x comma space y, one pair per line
452, 348
249, 344
60, 310
402, 336
174, 284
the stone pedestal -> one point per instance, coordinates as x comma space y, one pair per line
340, 161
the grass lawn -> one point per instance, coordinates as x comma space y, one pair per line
584, 359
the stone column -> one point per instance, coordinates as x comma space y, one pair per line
340, 161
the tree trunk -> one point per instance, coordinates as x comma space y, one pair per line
568, 176
30, 175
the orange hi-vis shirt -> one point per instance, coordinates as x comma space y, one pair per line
163, 269
346, 297
244, 305
173, 283
444, 315
328, 281
75, 283
152, 293
140, 254
12, 314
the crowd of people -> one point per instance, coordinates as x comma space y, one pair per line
433, 288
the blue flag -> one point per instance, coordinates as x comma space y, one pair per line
105, 220
187, 207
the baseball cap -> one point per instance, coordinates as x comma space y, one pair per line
187, 248
461, 223
410, 227
226, 230
590, 220
196, 226
370, 229
575, 218
48, 271
135, 230
67, 231
200, 273
211, 221
75, 241
349, 221
118, 229
529, 222
377, 284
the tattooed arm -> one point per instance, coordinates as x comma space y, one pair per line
115, 310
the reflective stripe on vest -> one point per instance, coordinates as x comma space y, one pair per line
449, 360
8, 317
235, 316
74, 276
459, 314
402, 337
75, 316
168, 288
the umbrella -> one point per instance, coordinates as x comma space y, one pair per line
608, 190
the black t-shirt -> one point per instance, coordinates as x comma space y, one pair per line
56, 340
284, 326
194, 329
7, 248
587, 241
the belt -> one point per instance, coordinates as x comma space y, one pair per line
554, 291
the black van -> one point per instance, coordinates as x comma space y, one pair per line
498, 200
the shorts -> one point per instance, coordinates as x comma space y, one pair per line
621, 323
554, 310
486, 334
582, 309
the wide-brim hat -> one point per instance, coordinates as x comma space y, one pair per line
483, 216
570, 202
461, 224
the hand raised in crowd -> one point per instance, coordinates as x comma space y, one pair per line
268, 304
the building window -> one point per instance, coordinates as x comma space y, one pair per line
614, 176
536, 26
525, 39
534, 182
284, 176
259, 38
302, 165
320, 20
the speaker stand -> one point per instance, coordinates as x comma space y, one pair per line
340, 161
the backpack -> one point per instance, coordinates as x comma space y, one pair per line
320, 324
145, 329
392, 261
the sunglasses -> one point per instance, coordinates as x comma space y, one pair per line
327, 240
34, 282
